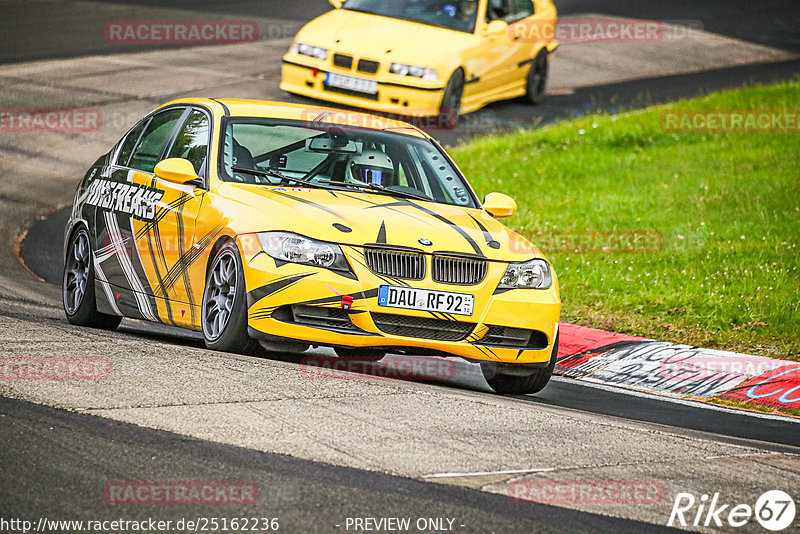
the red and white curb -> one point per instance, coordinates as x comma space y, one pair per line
678, 371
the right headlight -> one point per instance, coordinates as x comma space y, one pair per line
534, 274
308, 50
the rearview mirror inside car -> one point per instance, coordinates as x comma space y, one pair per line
499, 205
325, 143
177, 170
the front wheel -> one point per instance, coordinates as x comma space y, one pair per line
77, 287
450, 109
522, 385
537, 78
224, 311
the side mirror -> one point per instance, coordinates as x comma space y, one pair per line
337, 3
177, 170
499, 205
496, 28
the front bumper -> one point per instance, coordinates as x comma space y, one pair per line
301, 303
405, 100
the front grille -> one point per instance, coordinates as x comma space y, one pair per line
458, 270
405, 264
316, 316
505, 336
370, 67
422, 327
343, 61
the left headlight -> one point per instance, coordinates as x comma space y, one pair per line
308, 50
426, 74
294, 248
534, 274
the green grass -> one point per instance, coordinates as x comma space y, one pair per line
727, 206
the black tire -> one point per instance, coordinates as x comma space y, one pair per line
224, 312
77, 285
536, 83
355, 354
523, 385
450, 108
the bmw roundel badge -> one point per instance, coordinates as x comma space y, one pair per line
425, 242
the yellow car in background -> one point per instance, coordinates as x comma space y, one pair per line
288, 226
423, 57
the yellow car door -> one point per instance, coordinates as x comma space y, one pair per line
522, 16
494, 59
165, 233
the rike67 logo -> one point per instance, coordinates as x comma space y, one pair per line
774, 510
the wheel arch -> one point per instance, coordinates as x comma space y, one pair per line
216, 247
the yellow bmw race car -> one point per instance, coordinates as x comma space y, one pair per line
257, 222
423, 57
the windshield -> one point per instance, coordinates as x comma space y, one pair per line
323, 155
459, 15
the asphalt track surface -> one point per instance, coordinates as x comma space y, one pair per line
62, 477
49, 29
54, 463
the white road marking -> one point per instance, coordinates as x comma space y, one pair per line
484, 473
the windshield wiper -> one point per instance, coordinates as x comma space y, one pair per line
362, 10
379, 189
276, 174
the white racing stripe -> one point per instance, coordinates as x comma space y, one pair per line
98, 271
102, 254
127, 267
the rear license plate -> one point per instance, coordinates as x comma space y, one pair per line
410, 298
352, 83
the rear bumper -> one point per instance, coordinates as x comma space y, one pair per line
392, 97
304, 304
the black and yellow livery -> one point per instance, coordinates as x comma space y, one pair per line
293, 226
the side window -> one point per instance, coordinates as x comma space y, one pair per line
497, 10
402, 175
130, 142
192, 141
154, 140
520, 9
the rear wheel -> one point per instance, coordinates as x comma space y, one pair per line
77, 288
522, 385
450, 109
224, 311
537, 77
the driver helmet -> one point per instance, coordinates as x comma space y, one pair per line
372, 167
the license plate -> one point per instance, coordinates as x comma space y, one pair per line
350, 82
411, 298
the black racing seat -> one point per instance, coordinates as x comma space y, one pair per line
496, 10
242, 157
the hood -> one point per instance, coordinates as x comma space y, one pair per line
383, 38
363, 218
